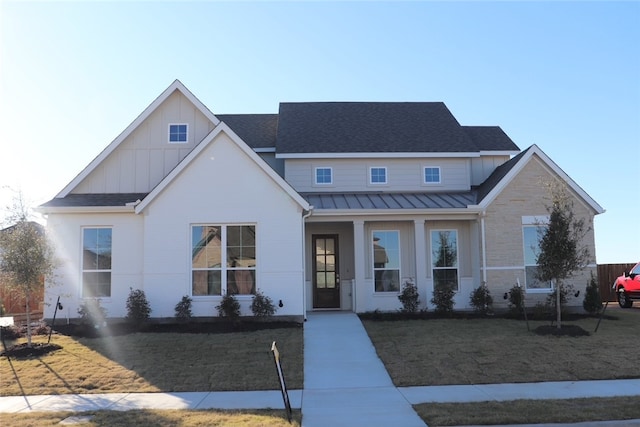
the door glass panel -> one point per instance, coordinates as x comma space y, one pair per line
331, 280
320, 280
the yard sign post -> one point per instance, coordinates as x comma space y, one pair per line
283, 385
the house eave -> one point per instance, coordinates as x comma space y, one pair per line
84, 209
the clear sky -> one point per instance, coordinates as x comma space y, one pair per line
562, 75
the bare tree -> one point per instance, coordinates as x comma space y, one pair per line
26, 255
562, 251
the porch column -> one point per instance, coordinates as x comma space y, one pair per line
358, 290
421, 259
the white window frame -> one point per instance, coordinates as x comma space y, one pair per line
533, 222
84, 270
186, 141
424, 175
457, 266
315, 175
386, 175
398, 269
224, 269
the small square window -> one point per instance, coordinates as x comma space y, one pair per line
178, 133
378, 175
324, 176
432, 175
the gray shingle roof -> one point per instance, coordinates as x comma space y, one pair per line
88, 200
454, 200
496, 176
490, 138
257, 130
370, 127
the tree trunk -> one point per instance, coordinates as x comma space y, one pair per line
558, 307
28, 309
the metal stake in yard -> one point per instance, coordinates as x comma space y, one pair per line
53, 322
524, 308
283, 384
604, 309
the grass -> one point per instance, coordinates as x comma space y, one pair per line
152, 362
530, 411
182, 418
496, 350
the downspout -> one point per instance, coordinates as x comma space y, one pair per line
304, 270
484, 247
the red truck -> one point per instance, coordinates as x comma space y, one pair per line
627, 287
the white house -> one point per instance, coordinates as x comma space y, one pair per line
321, 206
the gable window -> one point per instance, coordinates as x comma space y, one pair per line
432, 175
444, 258
378, 175
96, 262
324, 176
178, 133
531, 237
223, 260
386, 261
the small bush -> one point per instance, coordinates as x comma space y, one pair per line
229, 307
183, 309
92, 313
516, 300
481, 300
592, 302
41, 329
11, 332
443, 299
409, 297
138, 309
262, 305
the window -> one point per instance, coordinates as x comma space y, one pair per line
96, 262
378, 175
386, 261
531, 238
223, 260
444, 258
324, 176
178, 133
432, 175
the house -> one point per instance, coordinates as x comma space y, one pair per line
321, 206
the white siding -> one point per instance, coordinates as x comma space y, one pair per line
402, 174
145, 157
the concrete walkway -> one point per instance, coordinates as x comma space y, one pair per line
346, 384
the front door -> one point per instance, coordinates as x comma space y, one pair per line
326, 271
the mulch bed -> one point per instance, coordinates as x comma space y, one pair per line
564, 331
24, 351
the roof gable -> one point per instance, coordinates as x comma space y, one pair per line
175, 86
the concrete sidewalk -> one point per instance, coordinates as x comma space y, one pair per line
346, 384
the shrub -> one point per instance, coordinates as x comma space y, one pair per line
229, 307
481, 300
92, 313
409, 297
41, 329
183, 309
443, 299
262, 305
11, 332
516, 300
592, 302
138, 309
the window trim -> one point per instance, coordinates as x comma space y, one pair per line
424, 175
83, 270
386, 175
223, 269
398, 269
315, 175
186, 140
457, 267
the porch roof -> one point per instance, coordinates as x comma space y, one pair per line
453, 200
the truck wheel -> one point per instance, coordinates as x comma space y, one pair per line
623, 300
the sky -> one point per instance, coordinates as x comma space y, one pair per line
564, 75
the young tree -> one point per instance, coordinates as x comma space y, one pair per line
561, 244
26, 256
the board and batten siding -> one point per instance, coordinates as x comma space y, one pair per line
402, 174
482, 167
145, 157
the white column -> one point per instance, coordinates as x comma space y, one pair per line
421, 259
358, 290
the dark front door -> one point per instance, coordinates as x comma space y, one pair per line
326, 271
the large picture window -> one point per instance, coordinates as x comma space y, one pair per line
531, 238
444, 258
386, 261
96, 262
223, 260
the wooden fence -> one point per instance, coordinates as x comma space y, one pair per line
607, 274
